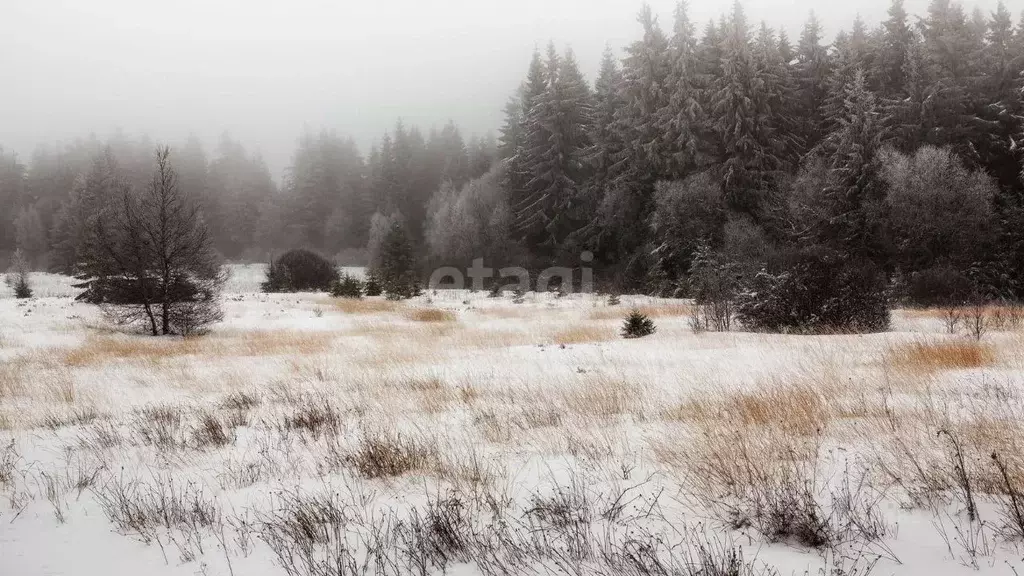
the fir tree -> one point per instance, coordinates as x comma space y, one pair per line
812, 71
645, 81
896, 41
851, 193
628, 200
397, 269
747, 158
557, 134
680, 118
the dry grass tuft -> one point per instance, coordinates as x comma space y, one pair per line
160, 426
98, 350
316, 416
385, 454
935, 356
11, 380
364, 305
796, 409
212, 432
653, 311
430, 315
76, 417
241, 401
583, 333
603, 397
999, 317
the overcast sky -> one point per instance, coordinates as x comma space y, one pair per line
264, 71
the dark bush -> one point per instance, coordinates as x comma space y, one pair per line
397, 266
347, 287
372, 286
940, 285
22, 289
637, 325
819, 292
300, 271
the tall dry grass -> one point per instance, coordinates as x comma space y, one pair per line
795, 409
98, 350
603, 396
653, 311
582, 334
365, 305
925, 357
430, 315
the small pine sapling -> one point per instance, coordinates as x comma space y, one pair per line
637, 325
372, 287
18, 278
347, 287
22, 289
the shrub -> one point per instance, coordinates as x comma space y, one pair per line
614, 300
396, 269
347, 287
637, 325
372, 286
712, 284
819, 293
22, 289
941, 285
18, 276
300, 271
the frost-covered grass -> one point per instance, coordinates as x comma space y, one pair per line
457, 433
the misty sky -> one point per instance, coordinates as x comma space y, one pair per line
264, 71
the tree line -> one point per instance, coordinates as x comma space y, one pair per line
892, 151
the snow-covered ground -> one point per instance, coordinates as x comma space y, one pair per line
457, 433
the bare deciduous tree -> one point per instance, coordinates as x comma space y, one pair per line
151, 260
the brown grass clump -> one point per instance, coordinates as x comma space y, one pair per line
11, 381
1000, 317
104, 349
604, 398
935, 356
653, 311
795, 409
504, 312
364, 305
315, 415
583, 333
430, 315
384, 455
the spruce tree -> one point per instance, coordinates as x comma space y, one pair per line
642, 161
777, 127
812, 72
680, 117
517, 142
852, 196
605, 148
895, 41
748, 155
557, 135
396, 272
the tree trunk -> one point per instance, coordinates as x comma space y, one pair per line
165, 314
152, 318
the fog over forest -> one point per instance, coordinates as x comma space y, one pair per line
266, 71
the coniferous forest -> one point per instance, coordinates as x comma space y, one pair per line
704, 158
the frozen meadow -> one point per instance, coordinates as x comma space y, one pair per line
462, 434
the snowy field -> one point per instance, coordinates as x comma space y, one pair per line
460, 434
